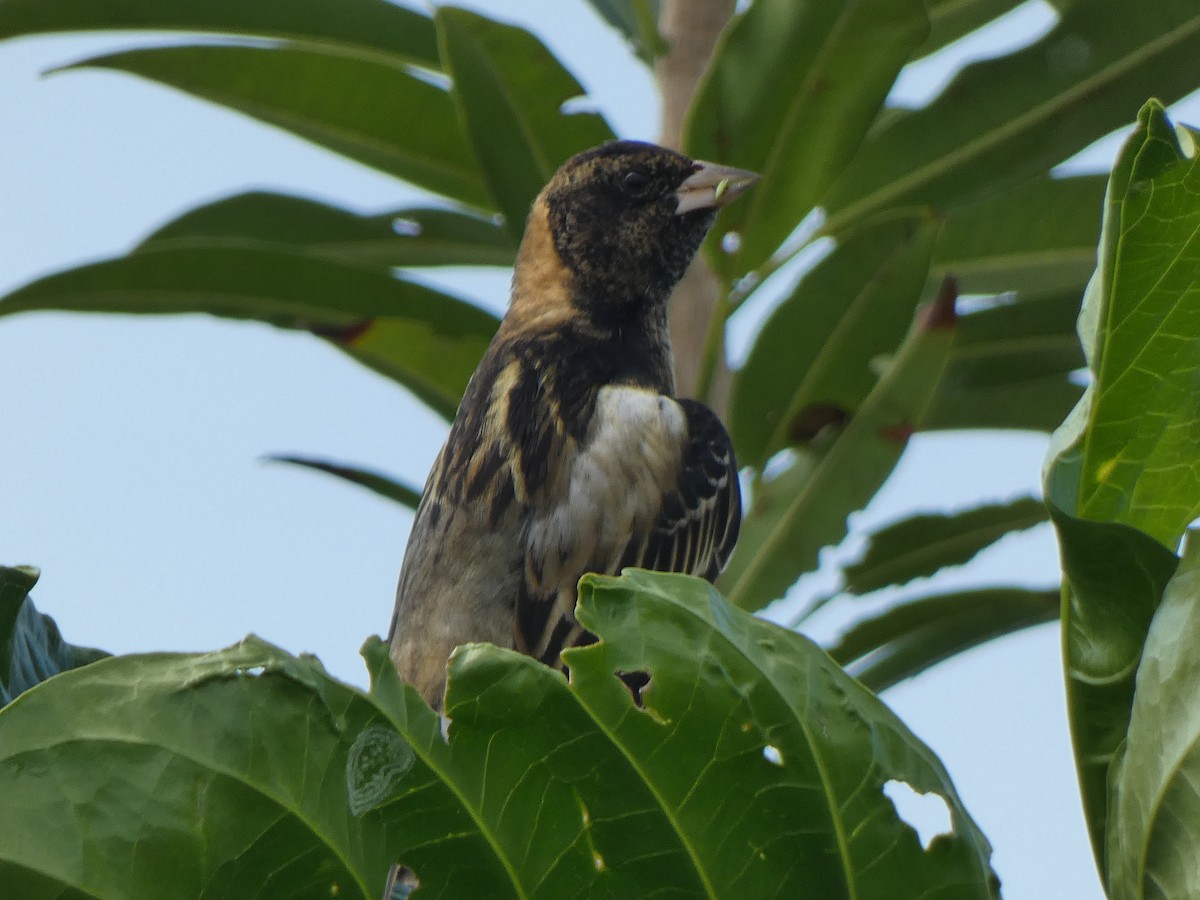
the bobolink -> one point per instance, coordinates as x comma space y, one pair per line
569, 453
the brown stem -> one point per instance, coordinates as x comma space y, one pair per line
690, 29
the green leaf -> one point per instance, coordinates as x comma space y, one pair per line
906, 640
403, 237
637, 20
1114, 579
1005, 120
253, 773
791, 91
1155, 829
1011, 366
372, 481
31, 647
792, 516
1131, 444
428, 341
680, 798
1120, 479
815, 357
1040, 236
361, 27
374, 112
510, 92
917, 547
178, 776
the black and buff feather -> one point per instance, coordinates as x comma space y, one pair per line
569, 453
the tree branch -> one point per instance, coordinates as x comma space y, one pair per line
690, 29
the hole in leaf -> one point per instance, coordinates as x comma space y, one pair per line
598, 862
731, 242
927, 814
772, 755
402, 881
406, 227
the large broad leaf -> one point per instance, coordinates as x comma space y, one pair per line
31, 647
374, 112
909, 638
428, 341
187, 776
510, 92
917, 547
1005, 120
1011, 367
814, 359
1121, 478
359, 27
795, 514
404, 494
1155, 826
403, 237
1038, 237
755, 768
790, 93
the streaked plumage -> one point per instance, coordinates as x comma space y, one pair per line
569, 453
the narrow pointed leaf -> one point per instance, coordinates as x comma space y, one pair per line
791, 518
510, 92
1154, 829
790, 93
919, 546
359, 26
31, 647
1008, 119
1039, 237
402, 237
907, 639
817, 349
1011, 367
950, 20
1120, 478
637, 20
428, 341
384, 486
373, 112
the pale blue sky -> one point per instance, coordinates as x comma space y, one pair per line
130, 447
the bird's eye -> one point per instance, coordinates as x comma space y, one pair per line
635, 182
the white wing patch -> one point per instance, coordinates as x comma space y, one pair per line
631, 453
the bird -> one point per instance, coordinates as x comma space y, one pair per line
570, 452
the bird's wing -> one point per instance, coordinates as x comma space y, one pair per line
654, 485
698, 523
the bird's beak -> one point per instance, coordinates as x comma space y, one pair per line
712, 186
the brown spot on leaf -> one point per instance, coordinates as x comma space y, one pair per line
941, 313
343, 334
897, 434
814, 419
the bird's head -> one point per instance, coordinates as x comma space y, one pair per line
626, 218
